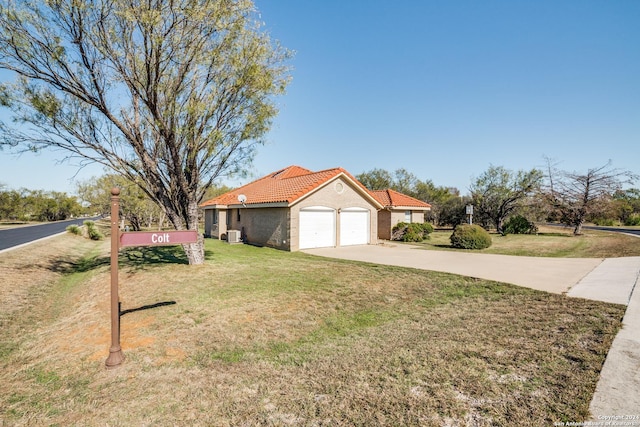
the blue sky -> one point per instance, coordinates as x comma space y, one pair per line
443, 89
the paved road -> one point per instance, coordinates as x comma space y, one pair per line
12, 237
634, 231
614, 229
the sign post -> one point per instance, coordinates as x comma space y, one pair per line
469, 211
116, 357
139, 238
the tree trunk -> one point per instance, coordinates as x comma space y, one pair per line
194, 251
161, 220
578, 229
189, 221
580, 217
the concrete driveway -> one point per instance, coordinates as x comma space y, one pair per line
555, 275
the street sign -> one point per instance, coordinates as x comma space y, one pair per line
156, 238
137, 238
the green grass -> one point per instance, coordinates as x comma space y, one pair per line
263, 337
550, 242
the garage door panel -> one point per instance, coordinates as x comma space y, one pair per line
354, 226
317, 227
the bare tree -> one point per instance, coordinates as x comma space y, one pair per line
576, 195
169, 94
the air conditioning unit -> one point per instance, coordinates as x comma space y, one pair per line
233, 236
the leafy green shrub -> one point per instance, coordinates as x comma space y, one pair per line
75, 229
427, 227
470, 236
632, 220
606, 222
519, 225
411, 232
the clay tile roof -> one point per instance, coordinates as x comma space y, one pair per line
283, 186
391, 198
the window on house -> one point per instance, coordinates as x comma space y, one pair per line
407, 216
238, 215
215, 216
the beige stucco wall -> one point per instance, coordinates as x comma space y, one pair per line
261, 226
208, 222
417, 216
330, 197
212, 228
266, 227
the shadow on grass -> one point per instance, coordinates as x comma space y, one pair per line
137, 258
147, 256
82, 265
146, 307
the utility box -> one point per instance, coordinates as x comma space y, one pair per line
233, 236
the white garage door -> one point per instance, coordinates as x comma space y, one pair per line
317, 227
354, 226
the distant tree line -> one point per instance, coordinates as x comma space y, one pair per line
447, 206
93, 198
503, 197
37, 205
136, 208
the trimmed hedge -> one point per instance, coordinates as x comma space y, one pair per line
470, 236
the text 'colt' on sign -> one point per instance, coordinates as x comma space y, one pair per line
155, 238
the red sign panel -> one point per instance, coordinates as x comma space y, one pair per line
155, 238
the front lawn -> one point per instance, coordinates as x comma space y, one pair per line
264, 337
555, 242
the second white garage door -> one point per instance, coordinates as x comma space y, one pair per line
317, 227
354, 226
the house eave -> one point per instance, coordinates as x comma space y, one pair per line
249, 205
365, 194
408, 208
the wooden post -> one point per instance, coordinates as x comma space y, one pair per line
116, 357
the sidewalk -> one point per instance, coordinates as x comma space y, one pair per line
614, 280
618, 390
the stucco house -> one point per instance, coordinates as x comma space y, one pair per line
398, 207
295, 208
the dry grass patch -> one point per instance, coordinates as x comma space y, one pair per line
263, 337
